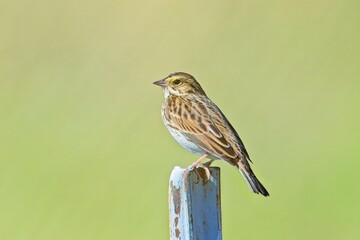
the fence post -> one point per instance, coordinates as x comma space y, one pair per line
195, 205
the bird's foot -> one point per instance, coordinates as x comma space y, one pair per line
197, 162
208, 163
202, 171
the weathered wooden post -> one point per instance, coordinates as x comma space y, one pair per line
194, 204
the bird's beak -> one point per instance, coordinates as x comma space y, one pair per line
160, 83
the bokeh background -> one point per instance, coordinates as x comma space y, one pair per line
83, 150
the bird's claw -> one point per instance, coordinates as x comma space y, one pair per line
202, 171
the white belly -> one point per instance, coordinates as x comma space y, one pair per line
185, 143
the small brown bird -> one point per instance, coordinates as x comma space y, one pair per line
198, 125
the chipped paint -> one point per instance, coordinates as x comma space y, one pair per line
194, 205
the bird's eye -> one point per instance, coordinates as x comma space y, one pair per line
177, 82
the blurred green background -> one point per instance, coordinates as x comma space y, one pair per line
83, 150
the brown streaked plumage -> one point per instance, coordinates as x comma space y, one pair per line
200, 126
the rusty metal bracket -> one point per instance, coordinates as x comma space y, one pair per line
194, 205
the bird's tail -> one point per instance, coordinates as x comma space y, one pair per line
253, 183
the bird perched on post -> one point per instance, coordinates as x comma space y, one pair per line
198, 125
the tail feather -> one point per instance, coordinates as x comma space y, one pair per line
253, 183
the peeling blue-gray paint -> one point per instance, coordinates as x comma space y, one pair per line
194, 205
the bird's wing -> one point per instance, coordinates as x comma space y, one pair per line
204, 126
235, 139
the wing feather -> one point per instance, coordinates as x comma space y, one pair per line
202, 127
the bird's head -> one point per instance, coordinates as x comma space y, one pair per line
180, 84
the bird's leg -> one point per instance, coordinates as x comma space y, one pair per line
208, 163
206, 167
197, 162
202, 170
